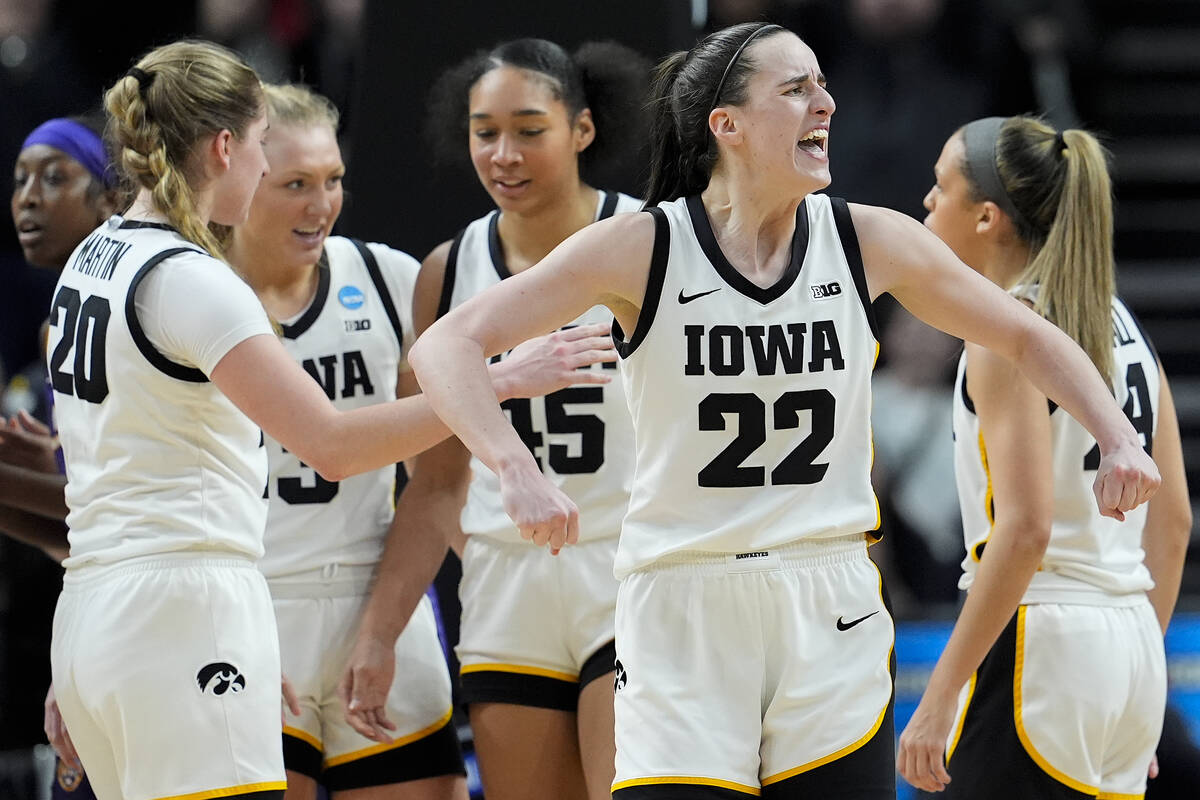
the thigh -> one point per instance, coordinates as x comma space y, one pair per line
597, 748
302, 643
520, 748
425, 743
688, 685
182, 678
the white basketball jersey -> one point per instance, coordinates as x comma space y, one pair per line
158, 459
1087, 551
353, 339
581, 436
752, 406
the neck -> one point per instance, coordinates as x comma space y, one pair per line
1004, 263
143, 208
528, 238
284, 289
754, 230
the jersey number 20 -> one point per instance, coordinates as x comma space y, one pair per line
797, 467
84, 326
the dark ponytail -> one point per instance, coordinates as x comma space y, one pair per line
605, 77
683, 150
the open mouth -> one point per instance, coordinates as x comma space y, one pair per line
28, 226
814, 142
310, 236
510, 184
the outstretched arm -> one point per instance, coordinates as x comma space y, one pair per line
904, 259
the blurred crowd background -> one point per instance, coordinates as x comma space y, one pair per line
904, 73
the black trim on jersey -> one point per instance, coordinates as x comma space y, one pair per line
300, 756
157, 359
448, 276
849, 237
654, 285
609, 206
678, 791
137, 224
495, 248
1145, 337
599, 664
297, 328
519, 689
431, 756
389, 307
962, 390
736, 280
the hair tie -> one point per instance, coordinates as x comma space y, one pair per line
143, 78
738, 54
1060, 144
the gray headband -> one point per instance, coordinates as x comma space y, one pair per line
980, 138
736, 55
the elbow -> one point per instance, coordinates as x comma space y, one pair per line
1032, 535
418, 355
329, 463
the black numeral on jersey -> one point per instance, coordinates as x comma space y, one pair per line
293, 491
588, 427
1139, 411
84, 326
727, 470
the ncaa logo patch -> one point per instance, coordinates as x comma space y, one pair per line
351, 297
219, 677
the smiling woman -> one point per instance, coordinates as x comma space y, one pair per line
744, 294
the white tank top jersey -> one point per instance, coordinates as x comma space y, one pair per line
752, 406
158, 459
353, 340
581, 436
1091, 559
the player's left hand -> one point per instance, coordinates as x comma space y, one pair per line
364, 687
921, 758
1127, 477
1152, 772
27, 442
555, 361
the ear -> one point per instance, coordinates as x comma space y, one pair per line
585, 130
218, 151
989, 219
724, 126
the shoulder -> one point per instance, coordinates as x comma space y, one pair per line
878, 225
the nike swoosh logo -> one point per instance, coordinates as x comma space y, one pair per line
845, 626
687, 298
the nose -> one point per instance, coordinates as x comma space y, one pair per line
928, 201
507, 152
321, 203
29, 195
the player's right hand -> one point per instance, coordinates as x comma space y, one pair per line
364, 688
56, 732
555, 361
541, 511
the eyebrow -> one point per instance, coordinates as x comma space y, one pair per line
804, 79
524, 112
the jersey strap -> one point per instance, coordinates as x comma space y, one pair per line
654, 285
609, 206
846, 232
377, 278
448, 276
147, 349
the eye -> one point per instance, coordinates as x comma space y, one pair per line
485, 133
531, 132
54, 178
19, 180
298, 183
335, 181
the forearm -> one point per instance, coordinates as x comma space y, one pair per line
1165, 562
34, 492
415, 548
1010, 560
453, 377
1060, 369
42, 532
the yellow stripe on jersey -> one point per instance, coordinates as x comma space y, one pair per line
394, 744
988, 507
230, 791
871, 465
1119, 796
688, 781
1037, 757
962, 718
520, 669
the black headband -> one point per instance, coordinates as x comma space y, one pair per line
738, 54
980, 140
143, 78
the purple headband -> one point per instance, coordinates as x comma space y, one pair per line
76, 140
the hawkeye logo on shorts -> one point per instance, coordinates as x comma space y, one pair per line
824, 291
69, 778
351, 297
219, 677
622, 677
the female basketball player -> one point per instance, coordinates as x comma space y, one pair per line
164, 367
537, 123
344, 308
1058, 584
752, 639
